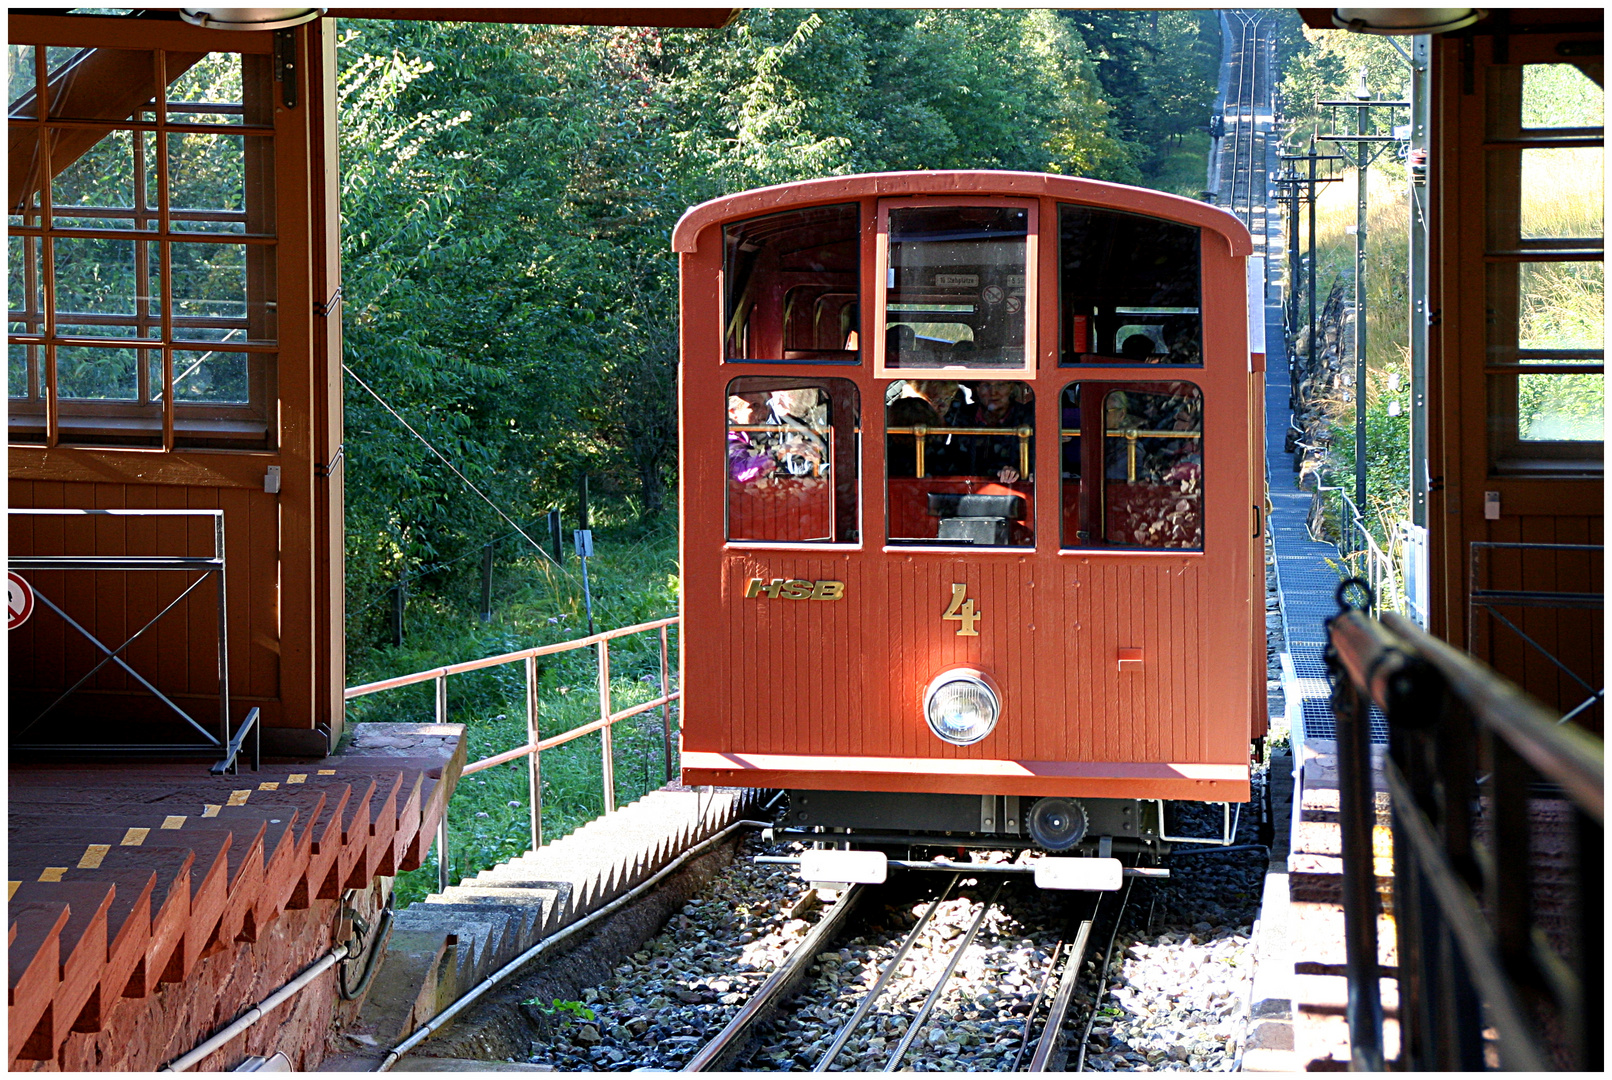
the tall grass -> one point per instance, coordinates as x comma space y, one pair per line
634, 579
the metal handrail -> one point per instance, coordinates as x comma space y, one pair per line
533, 747
1386, 588
1471, 955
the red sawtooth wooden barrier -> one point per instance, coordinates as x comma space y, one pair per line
123, 877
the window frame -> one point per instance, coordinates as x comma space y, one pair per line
1505, 253
1032, 269
1102, 385
840, 459
154, 418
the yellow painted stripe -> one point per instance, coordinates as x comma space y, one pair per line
53, 873
210, 810
237, 798
269, 785
327, 772
135, 837
11, 888
296, 778
174, 821
93, 856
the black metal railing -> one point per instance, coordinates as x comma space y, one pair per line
1500, 955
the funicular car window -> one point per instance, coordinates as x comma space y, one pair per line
791, 282
955, 287
1129, 289
959, 460
791, 446
1134, 478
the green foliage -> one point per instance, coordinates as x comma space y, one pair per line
1327, 67
558, 1006
1159, 70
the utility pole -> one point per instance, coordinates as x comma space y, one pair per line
1303, 187
1363, 157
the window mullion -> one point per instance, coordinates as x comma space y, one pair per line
48, 247
164, 249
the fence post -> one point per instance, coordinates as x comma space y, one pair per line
666, 708
442, 827
534, 775
608, 767
487, 583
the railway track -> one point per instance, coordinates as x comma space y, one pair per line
1244, 174
1046, 1017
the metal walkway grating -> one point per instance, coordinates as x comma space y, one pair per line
1306, 569
1319, 722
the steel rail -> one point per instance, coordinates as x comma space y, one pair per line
1051, 1040
724, 1051
1102, 978
865, 1006
922, 1015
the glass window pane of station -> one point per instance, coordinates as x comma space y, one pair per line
1149, 461
791, 449
1561, 305
106, 287
1560, 96
959, 460
955, 287
1563, 193
78, 81
791, 282
210, 91
1129, 288
20, 77
1561, 408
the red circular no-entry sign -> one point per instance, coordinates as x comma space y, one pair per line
19, 600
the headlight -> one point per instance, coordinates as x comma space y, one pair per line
961, 706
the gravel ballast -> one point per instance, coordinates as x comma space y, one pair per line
1178, 998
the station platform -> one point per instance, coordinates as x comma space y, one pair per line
149, 904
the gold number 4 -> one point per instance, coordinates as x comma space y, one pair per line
962, 611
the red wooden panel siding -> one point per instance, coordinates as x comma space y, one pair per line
179, 652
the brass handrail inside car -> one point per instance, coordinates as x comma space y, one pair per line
1024, 432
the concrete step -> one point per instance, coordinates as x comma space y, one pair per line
1320, 927
1326, 838
1321, 1025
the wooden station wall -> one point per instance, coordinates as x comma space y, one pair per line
283, 549
1550, 494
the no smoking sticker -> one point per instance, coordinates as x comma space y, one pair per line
19, 600
992, 295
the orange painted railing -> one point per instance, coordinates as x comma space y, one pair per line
534, 746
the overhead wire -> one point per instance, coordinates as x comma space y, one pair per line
452, 468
